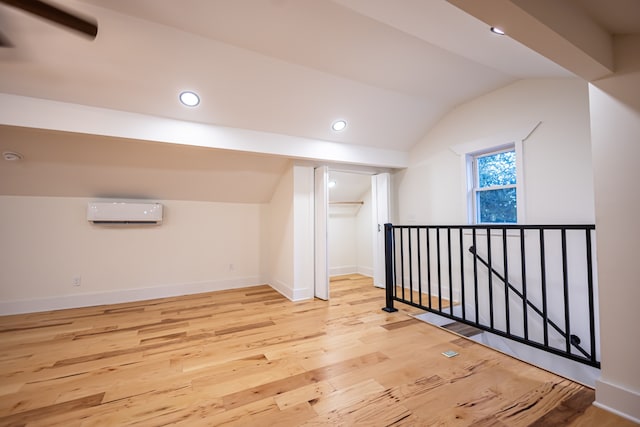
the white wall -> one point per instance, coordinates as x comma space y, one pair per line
289, 255
584, 146
200, 247
47, 241
303, 233
557, 156
279, 254
558, 176
350, 238
615, 127
364, 236
343, 249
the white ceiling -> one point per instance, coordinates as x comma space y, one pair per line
349, 186
284, 67
75, 165
616, 16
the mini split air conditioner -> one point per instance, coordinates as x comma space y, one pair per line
124, 213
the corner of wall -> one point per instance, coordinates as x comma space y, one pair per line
303, 232
277, 257
290, 293
626, 402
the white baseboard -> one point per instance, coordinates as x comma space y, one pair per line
619, 400
345, 269
302, 294
120, 296
282, 288
365, 271
291, 294
457, 296
350, 269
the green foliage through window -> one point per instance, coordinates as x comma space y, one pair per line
495, 188
497, 169
497, 206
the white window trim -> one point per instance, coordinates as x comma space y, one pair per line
467, 150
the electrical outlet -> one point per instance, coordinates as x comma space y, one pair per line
231, 267
76, 281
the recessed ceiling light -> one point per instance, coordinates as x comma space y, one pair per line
190, 99
339, 125
11, 156
332, 184
496, 30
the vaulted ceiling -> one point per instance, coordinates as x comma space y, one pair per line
272, 76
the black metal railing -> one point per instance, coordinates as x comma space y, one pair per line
533, 284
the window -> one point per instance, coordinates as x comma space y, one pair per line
494, 194
493, 171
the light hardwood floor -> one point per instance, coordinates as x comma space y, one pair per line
251, 357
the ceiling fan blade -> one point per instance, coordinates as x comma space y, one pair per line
57, 15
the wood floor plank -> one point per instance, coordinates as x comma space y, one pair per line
366, 403
42, 413
310, 393
544, 399
244, 327
346, 397
248, 379
266, 411
251, 357
594, 416
400, 324
154, 408
277, 387
568, 410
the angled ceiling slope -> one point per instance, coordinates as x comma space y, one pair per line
577, 34
285, 67
272, 75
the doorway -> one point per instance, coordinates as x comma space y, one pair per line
350, 241
351, 208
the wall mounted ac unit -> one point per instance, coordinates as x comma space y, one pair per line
124, 213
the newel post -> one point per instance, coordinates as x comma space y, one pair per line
388, 268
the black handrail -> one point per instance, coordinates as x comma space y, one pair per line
574, 339
404, 246
388, 268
